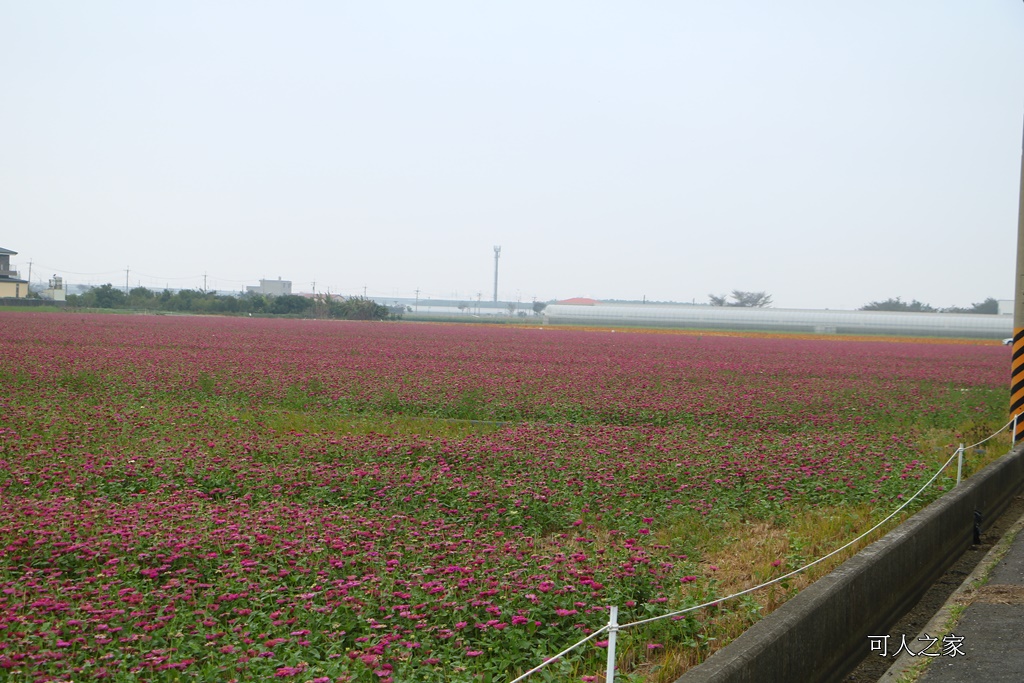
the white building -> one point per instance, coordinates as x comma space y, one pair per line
276, 287
55, 291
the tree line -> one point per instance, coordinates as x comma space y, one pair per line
197, 301
988, 306
742, 299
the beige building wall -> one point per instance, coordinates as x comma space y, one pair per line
17, 290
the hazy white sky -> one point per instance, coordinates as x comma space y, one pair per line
828, 153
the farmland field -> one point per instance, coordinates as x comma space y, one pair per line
214, 499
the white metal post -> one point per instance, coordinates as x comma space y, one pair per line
959, 463
613, 631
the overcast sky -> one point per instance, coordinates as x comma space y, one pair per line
828, 153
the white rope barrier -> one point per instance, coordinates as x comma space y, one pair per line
561, 654
993, 435
613, 627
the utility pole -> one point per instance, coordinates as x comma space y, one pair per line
1017, 363
497, 255
30, 276
204, 283
417, 307
126, 280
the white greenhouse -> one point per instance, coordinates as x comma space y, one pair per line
783, 320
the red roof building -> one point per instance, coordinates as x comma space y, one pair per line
580, 301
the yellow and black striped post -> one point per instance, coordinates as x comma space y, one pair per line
1017, 364
1017, 381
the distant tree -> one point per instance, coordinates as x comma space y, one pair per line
511, 306
463, 306
140, 297
538, 307
898, 304
185, 300
741, 299
141, 293
361, 308
290, 304
989, 306
106, 296
751, 299
322, 305
253, 303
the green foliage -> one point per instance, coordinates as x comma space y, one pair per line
255, 303
207, 384
105, 297
898, 304
81, 381
471, 405
357, 308
989, 306
741, 299
140, 297
192, 301
290, 304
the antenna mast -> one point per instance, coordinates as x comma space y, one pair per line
497, 255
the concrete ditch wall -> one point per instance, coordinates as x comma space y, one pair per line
822, 633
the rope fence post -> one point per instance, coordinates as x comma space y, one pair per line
959, 463
613, 631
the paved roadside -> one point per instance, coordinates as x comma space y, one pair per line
979, 633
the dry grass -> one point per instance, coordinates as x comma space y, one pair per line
741, 554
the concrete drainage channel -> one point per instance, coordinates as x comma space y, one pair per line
821, 634
986, 585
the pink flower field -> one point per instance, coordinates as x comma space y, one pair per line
186, 498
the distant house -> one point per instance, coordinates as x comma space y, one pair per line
11, 284
276, 287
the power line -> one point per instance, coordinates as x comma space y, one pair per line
161, 277
72, 272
